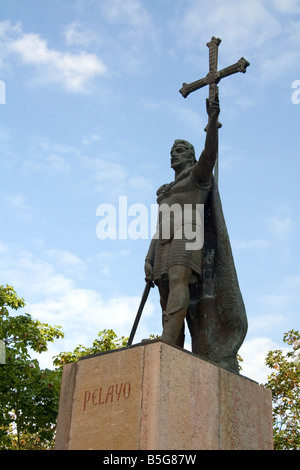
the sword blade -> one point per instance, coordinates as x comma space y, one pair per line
148, 286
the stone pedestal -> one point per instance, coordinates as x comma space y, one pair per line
159, 397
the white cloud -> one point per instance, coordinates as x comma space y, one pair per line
4, 134
75, 34
128, 27
277, 311
129, 12
287, 7
100, 172
54, 156
7, 29
134, 31
139, 183
188, 117
274, 65
41, 143
17, 204
250, 20
66, 260
49, 156
274, 318
82, 313
263, 32
7, 33
103, 170
91, 138
74, 72
281, 225
52, 297
254, 244
58, 164
254, 352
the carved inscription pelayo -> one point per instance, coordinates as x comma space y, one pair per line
104, 395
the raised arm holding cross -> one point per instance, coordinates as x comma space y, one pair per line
213, 78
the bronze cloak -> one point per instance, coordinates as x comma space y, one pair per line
217, 318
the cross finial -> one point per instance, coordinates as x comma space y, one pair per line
214, 76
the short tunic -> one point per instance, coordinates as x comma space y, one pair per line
176, 248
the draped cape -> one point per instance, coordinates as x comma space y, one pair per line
217, 318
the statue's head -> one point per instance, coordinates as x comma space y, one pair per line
182, 155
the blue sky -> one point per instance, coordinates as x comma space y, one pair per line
89, 111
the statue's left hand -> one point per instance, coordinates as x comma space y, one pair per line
148, 271
213, 107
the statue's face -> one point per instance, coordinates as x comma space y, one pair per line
180, 157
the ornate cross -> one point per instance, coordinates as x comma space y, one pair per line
214, 76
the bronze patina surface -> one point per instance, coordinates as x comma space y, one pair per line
199, 285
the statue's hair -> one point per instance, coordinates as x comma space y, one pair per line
188, 145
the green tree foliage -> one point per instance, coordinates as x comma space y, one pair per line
106, 340
29, 396
284, 382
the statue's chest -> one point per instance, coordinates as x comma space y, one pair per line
181, 192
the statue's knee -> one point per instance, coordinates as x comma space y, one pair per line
179, 275
174, 278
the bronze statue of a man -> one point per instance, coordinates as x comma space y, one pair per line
194, 283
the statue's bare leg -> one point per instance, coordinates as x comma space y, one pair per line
177, 305
163, 287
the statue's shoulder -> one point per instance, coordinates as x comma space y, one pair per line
166, 187
162, 188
